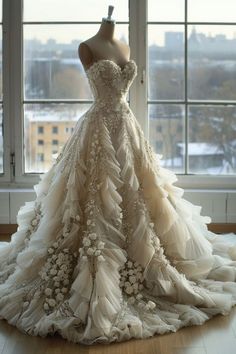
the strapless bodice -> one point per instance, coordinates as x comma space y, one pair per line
110, 82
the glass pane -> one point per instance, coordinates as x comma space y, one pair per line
1, 141
166, 134
52, 68
212, 64
165, 10
212, 140
211, 10
74, 10
166, 62
0, 10
46, 129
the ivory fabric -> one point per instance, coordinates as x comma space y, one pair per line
110, 250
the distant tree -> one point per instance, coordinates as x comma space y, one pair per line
67, 83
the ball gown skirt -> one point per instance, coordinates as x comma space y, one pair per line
110, 250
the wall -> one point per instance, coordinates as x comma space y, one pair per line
219, 205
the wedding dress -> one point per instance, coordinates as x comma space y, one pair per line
110, 250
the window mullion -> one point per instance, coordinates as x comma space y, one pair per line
15, 83
186, 128
18, 94
133, 24
6, 93
138, 41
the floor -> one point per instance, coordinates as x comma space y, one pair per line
216, 336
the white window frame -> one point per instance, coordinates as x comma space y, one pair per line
13, 95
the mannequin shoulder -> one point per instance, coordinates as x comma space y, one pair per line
85, 54
125, 48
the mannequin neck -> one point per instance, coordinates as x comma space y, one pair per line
106, 30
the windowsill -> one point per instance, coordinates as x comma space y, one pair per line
187, 182
24, 189
206, 182
218, 203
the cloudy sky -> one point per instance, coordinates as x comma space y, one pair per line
94, 10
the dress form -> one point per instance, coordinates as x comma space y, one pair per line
104, 45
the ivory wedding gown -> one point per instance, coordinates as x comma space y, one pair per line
109, 250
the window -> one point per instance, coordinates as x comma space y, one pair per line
159, 128
40, 130
54, 130
192, 84
184, 96
40, 157
159, 145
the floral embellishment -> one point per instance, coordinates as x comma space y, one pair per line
131, 283
86, 241
95, 69
34, 223
101, 258
131, 277
91, 246
56, 273
94, 155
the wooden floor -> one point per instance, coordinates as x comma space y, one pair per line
216, 336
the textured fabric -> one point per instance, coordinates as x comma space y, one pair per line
110, 249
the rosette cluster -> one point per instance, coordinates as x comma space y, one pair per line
57, 272
92, 247
33, 224
95, 148
131, 283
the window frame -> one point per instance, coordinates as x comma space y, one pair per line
14, 175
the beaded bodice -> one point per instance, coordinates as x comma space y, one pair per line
109, 82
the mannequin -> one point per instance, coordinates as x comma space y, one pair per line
103, 45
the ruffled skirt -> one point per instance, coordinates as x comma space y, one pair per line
110, 250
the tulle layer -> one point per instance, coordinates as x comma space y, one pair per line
110, 250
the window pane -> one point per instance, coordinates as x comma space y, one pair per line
1, 141
166, 10
0, 10
74, 10
212, 65
211, 10
166, 134
212, 140
41, 147
166, 62
52, 68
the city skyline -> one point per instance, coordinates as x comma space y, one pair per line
167, 41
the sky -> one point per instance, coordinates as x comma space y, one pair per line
94, 10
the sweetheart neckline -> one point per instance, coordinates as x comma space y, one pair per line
111, 61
